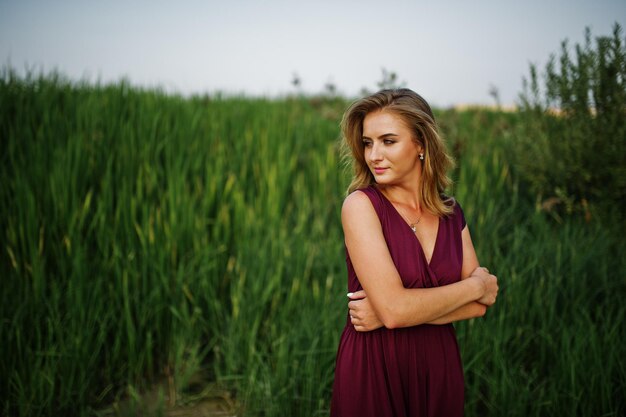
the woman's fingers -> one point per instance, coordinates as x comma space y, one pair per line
480, 271
354, 311
362, 316
355, 303
491, 290
356, 314
355, 320
357, 295
490, 282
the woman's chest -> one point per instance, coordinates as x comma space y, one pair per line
437, 264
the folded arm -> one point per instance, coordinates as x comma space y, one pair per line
394, 305
470, 263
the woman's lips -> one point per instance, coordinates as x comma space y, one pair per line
379, 170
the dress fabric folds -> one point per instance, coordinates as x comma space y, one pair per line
406, 372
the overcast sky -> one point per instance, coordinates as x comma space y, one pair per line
451, 52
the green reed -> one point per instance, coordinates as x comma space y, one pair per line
151, 240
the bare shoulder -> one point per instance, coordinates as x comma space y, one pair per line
357, 204
356, 201
358, 209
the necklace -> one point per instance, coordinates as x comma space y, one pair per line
414, 225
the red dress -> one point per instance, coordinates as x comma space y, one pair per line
412, 371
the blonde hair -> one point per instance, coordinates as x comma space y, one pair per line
418, 116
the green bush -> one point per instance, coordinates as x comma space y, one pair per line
571, 148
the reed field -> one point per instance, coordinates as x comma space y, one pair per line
192, 247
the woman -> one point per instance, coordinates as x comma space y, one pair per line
412, 268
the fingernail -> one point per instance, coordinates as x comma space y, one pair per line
350, 294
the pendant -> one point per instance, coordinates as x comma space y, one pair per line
414, 228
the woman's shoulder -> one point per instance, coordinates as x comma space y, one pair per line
361, 200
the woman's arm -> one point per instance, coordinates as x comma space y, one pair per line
470, 263
364, 318
395, 305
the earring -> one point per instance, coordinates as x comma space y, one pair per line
421, 157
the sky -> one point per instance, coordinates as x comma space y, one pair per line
451, 52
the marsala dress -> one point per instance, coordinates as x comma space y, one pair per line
412, 371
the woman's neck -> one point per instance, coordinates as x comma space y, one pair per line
406, 196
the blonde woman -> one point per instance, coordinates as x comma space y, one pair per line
412, 267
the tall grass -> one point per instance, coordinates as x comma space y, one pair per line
150, 238
551, 345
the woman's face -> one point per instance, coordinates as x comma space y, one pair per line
390, 150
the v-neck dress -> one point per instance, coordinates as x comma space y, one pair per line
412, 371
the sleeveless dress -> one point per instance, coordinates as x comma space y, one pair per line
412, 371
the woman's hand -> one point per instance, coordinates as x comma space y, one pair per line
362, 315
490, 284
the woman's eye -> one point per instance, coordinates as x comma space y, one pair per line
389, 142
367, 144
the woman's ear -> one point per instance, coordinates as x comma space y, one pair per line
420, 150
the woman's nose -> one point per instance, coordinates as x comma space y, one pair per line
374, 153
